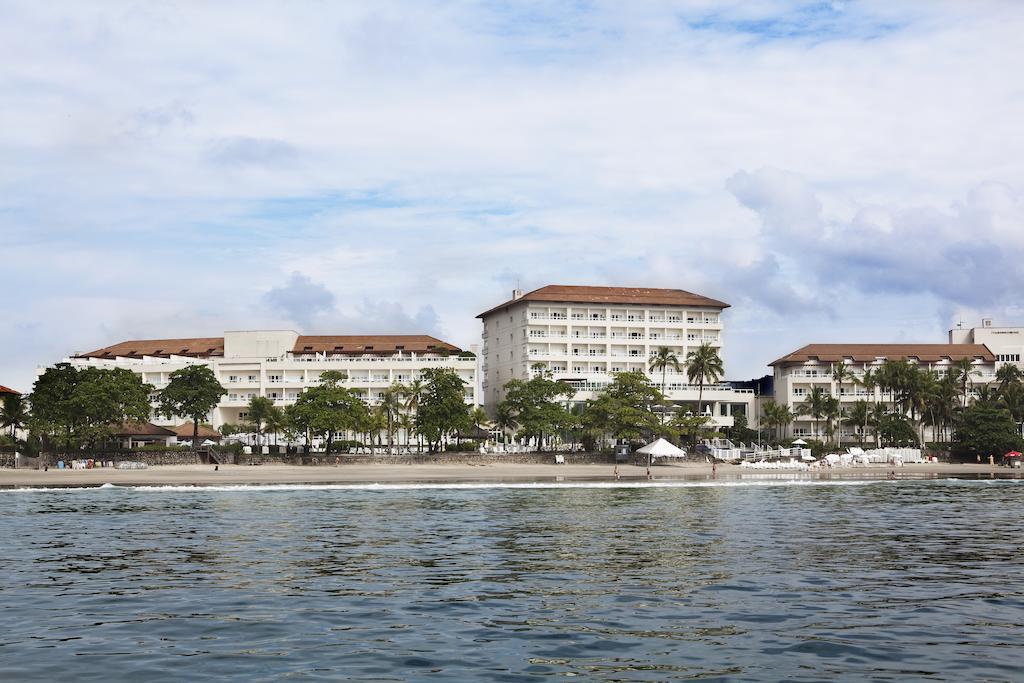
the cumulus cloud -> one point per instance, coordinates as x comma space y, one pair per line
434, 153
300, 300
967, 254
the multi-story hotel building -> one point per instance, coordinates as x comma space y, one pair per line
813, 366
281, 364
583, 335
1007, 343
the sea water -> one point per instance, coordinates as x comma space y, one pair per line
733, 581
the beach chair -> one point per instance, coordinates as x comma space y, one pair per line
559, 459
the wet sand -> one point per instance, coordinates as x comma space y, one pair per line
205, 475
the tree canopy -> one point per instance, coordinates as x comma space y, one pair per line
192, 392
534, 406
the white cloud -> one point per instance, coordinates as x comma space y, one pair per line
170, 162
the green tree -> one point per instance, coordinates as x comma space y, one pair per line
192, 392
534, 405
858, 416
442, 407
703, 365
260, 411
625, 408
74, 407
328, 409
663, 359
816, 405
13, 414
391, 408
963, 370
985, 429
777, 416
841, 374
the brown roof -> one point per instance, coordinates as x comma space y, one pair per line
140, 429
926, 353
641, 296
184, 431
206, 347
8, 390
373, 344
198, 347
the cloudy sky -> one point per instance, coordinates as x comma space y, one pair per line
835, 170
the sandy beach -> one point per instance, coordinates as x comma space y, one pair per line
205, 475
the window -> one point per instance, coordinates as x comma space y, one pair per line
400, 347
368, 348
273, 378
253, 378
233, 378
799, 391
242, 415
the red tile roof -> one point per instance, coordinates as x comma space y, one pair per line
639, 296
371, 344
926, 353
184, 431
197, 347
208, 347
7, 390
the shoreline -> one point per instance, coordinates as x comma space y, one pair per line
467, 473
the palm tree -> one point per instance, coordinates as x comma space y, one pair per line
663, 359
413, 392
1009, 375
962, 371
859, 413
703, 364
407, 425
815, 405
13, 413
878, 412
478, 417
391, 405
841, 373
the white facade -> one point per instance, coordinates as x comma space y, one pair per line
794, 380
274, 364
585, 343
1007, 343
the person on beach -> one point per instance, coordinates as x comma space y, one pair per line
714, 469
615, 473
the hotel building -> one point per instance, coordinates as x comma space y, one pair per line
280, 365
583, 335
1007, 343
812, 366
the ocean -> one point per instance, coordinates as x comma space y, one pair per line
762, 580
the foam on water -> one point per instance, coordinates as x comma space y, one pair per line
470, 486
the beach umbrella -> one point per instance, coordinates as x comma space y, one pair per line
1013, 454
799, 442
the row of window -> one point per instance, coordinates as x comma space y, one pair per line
1008, 357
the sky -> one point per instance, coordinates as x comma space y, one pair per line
836, 171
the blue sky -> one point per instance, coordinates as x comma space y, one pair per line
838, 171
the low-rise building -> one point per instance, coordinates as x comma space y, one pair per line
584, 335
797, 373
280, 365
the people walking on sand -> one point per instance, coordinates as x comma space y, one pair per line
648, 472
714, 469
615, 473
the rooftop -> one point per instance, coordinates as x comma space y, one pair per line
641, 296
213, 347
8, 390
926, 353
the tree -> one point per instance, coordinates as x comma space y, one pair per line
442, 407
985, 429
815, 404
840, 374
260, 409
625, 408
703, 364
276, 422
663, 359
13, 414
963, 370
1009, 375
776, 416
391, 407
328, 409
858, 415
74, 407
413, 393
192, 392
534, 406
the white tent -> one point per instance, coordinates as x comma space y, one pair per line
662, 449
799, 442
